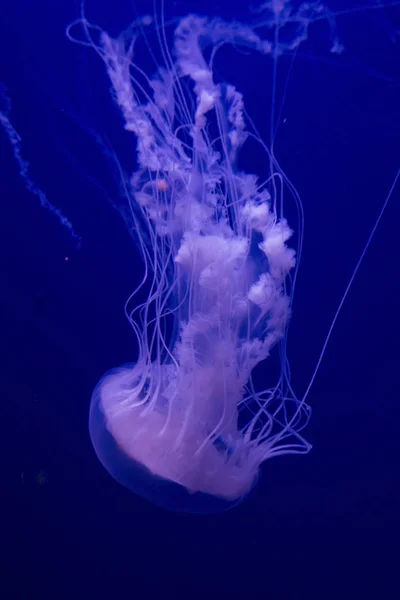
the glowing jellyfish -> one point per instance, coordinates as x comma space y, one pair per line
184, 425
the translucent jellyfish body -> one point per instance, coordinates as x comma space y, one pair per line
185, 425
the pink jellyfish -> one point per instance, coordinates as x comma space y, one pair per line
185, 425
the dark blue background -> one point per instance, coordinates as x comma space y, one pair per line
321, 526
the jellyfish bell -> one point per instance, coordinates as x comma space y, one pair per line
163, 463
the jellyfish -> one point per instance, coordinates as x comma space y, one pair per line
185, 425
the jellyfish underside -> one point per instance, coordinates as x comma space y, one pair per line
162, 461
214, 244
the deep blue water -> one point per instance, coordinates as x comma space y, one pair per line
321, 526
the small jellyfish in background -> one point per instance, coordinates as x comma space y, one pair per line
185, 425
